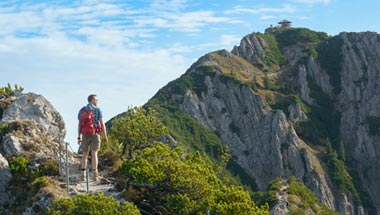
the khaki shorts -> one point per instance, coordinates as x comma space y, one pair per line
90, 140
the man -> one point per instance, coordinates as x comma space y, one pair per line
90, 126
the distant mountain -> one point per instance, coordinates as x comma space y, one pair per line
289, 102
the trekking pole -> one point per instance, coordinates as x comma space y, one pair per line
67, 169
60, 157
87, 185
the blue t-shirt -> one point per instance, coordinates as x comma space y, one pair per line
97, 113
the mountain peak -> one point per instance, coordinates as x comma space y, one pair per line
291, 102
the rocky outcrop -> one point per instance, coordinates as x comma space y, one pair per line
260, 140
296, 114
31, 128
33, 123
252, 49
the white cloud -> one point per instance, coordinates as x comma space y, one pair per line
16, 22
193, 21
240, 9
184, 21
66, 71
120, 22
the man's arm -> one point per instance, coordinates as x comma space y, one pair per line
104, 130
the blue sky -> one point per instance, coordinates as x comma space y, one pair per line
124, 51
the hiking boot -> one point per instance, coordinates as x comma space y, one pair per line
96, 175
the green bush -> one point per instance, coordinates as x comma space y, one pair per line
184, 183
341, 176
27, 182
19, 166
137, 129
48, 167
294, 36
91, 204
8, 89
299, 189
4, 129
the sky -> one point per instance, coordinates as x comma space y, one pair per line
125, 51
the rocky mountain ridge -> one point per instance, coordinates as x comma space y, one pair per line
293, 103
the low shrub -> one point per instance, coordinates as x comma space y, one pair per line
92, 204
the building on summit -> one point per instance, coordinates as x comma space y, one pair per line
284, 24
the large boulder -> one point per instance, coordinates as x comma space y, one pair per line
33, 124
32, 128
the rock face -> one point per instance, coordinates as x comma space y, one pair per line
252, 48
35, 123
260, 140
359, 100
264, 142
32, 129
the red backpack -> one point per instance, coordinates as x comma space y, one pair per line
86, 120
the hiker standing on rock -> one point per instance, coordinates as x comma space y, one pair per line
90, 126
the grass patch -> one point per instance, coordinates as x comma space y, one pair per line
272, 53
306, 199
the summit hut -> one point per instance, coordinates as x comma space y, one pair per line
285, 23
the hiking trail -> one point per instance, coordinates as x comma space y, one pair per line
105, 184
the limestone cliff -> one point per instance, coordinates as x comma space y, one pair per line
359, 102
294, 103
261, 140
